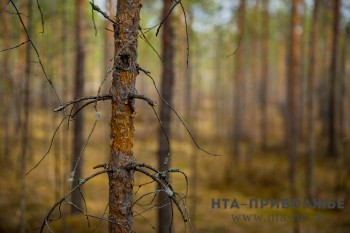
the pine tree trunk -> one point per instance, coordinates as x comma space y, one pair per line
167, 83
121, 179
78, 127
6, 87
264, 74
292, 96
238, 86
310, 104
25, 124
332, 147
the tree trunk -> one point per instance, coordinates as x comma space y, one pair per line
264, 73
254, 71
332, 147
6, 87
293, 94
121, 180
310, 104
78, 127
167, 83
25, 124
238, 85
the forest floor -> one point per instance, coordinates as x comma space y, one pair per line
266, 177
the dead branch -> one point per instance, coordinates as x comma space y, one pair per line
47, 219
142, 97
79, 99
148, 74
14, 47
162, 180
98, 9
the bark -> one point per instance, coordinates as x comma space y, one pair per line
310, 104
78, 127
167, 83
264, 73
293, 94
25, 124
332, 128
253, 73
6, 86
238, 86
121, 180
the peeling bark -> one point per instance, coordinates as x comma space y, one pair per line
121, 180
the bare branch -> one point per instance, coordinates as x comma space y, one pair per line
166, 16
187, 39
48, 151
47, 217
147, 73
240, 36
98, 9
35, 49
79, 99
17, 46
167, 188
148, 100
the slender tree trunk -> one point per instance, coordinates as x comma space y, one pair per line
264, 73
254, 71
332, 147
64, 137
310, 104
25, 124
238, 84
292, 96
167, 83
6, 87
78, 127
121, 180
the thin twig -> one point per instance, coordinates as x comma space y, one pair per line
166, 16
47, 217
48, 151
17, 46
240, 36
187, 37
177, 115
98, 9
36, 51
79, 99
165, 186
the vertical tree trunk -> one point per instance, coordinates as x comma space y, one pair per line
238, 85
254, 71
264, 73
292, 95
332, 147
310, 104
167, 83
6, 86
121, 180
78, 127
25, 123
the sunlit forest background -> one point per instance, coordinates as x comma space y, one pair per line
235, 67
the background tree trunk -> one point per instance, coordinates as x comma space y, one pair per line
167, 83
25, 123
238, 86
6, 87
293, 81
121, 180
332, 147
78, 127
310, 104
264, 73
